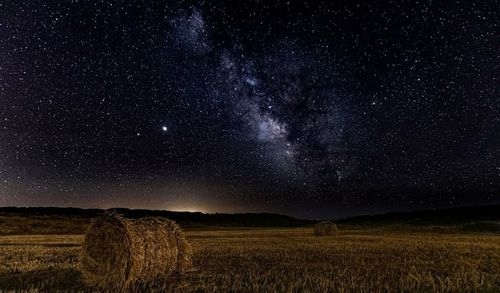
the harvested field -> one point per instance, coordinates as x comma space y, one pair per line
282, 260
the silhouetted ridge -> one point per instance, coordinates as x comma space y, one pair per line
451, 216
183, 218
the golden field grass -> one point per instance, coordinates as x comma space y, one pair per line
281, 260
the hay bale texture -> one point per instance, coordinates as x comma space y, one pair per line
325, 228
119, 252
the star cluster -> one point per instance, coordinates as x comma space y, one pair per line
310, 108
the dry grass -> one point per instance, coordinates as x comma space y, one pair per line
286, 260
118, 253
37, 224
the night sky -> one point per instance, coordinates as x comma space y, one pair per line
307, 108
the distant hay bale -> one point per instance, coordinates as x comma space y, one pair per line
325, 228
119, 252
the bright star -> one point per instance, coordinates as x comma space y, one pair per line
164, 128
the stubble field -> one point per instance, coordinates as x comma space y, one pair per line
281, 260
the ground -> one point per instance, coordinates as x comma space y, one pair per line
282, 260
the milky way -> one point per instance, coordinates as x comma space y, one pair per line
307, 108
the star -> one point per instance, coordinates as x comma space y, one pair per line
262, 103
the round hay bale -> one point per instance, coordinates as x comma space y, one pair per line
325, 228
119, 252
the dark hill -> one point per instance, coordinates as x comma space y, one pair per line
183, 218
451, 216
465, 219
53, 220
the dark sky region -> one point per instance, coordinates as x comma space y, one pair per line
308, 108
